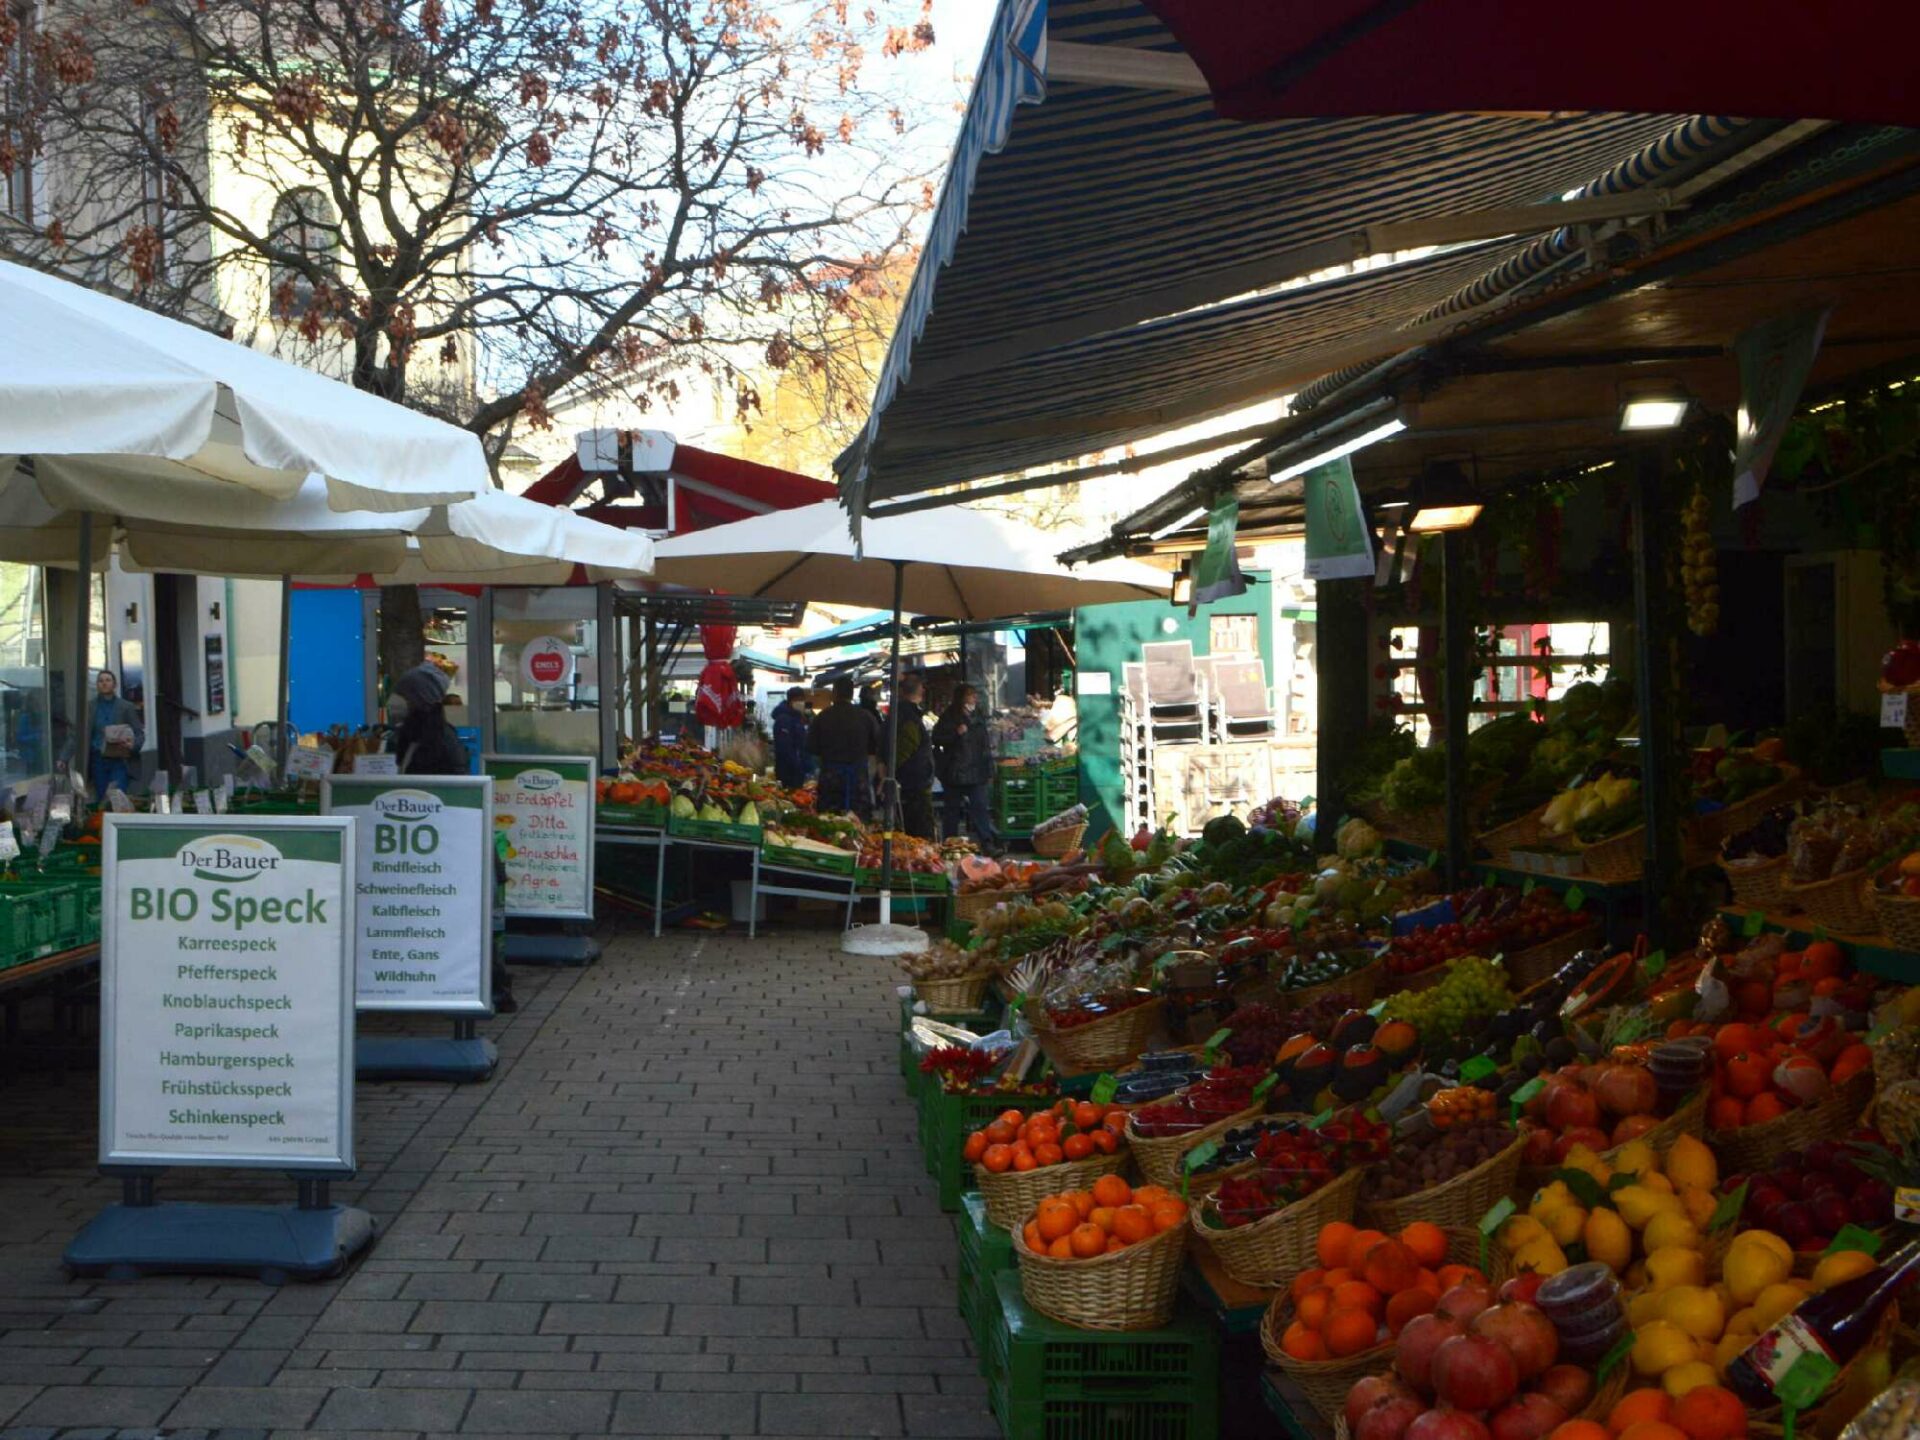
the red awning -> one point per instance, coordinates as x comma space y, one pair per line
1759, 59
714, 490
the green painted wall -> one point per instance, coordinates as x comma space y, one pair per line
1109, 636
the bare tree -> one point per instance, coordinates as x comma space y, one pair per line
466, 205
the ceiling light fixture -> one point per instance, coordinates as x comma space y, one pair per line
1444, 499
1660, 409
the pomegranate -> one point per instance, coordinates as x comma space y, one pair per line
1626, 1090
1523, 1332
1539, 1149
1591, 1136
1529, 1417
1536, 1108
1568, 1386
1523, 1286
1390, 1419
1573, 1108
1471, 1372
1632, 1127
1369, 1390
1466, 1300
1447, 1425
1419, 1338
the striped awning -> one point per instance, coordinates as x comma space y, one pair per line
1106, 261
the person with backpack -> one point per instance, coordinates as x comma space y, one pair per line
966, 767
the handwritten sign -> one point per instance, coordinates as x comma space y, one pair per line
309, 762
543, 806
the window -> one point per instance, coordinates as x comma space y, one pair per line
306, 224
16, 71
25, 741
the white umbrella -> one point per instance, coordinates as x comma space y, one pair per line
954, 562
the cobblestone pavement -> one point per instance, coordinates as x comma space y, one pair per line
689, 1203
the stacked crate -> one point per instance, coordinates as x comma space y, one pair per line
986, 1252
1016, 801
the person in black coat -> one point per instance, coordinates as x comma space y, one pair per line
966, 767
916, 759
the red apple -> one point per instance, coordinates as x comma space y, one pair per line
1591, 1136
1523, 1332
1369, 1390
1523, 1286
1568, 1386
1466, 1300
1528, 1417
1471, 1372
1573, 1108
1390, 1419
1419, 1338
1447, 1425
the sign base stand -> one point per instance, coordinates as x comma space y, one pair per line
454, 1058
551, 949
312, 1240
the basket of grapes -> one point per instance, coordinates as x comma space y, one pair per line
1448, 1175
1262, 1227
1161, 1135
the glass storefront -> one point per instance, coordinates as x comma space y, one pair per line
25, 711
546, 671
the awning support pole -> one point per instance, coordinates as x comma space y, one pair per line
83, 601
890, 784
1340, 674
286, 670
1455, 695
1656, 658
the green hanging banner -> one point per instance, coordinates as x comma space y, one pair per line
1217, 574
1339, 546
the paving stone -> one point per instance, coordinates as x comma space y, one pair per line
691, 1412
99, 1404
537, 1286
393, 1408
842, 1415
568, 1318
537, 1412
940, 1417
274, 1406
477, 1317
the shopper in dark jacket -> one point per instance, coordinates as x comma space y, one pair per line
791, 717
915, 749
966, 767
845, 738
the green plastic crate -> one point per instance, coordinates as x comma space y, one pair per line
647, 817
1048, 1381
814, 860
724, 831
26, 924
986, 1251
946, 1121
911, 882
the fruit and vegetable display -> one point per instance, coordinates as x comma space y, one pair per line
1109, 1216
1433, 1157
1367, 1287
1596, 808
1355, 1060
1725, 777
1074, 816
910, 853
941, 960
1070, 1130
1493, 920
1699, 569
1225, 1091
1629, 1211
1473, 991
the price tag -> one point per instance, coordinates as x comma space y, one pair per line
1806, 1380
1478, 1068
258, 757
1322, 1118
160, 785
1377, 1009
162, 803
1610, 1361
222, 798
1526, 1092
376, 764
1194, 1159
1433, 859
1260, 1090
1906, 1204
1633, 1028
1490, 1223
1855, 1237
1893, 710
1104, 1089
1753, 924
60, 808
1655, 964
1574, 898
203, 801
1729, 1208
310, 762
1214, 1042
9, 842
49, 841
117, 801
1819, 932
1529, 885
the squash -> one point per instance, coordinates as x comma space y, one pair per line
624, 792
978, 869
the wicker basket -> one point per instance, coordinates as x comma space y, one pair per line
1757, 884
1012, 1195
1108, 1043
1501, 841
1898, 918
1459, 1201
1617, 859
1159, 1160
1838, 903
1538, 962
1326, 1382
1689, 1119
970, 909
1056, 844
1896, 1112
960, 995
1362, 984
1717, 825
1272, 1250
1418, 981
1754, 1147
1130, 1289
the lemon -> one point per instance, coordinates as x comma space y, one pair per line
1752, 1265
1669, 1229
1666, 1268
1636, 1276
1776, 1300
1565, 1224
1654, 1180
1549, 1197
1644, 1308
1607, 1239
1732, 1345
1638, 1204
1581, 1157
1660, 1346
1745, 1322
1636, 1157
1541, 1256
1690, 1376
1695, 1309
1691, 1166
1767, 1238
1699, 1204
1840, 1266
1519, 1230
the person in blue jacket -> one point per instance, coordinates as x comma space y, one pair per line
791, 759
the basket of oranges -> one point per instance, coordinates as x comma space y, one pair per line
1019, 1160
1106, 1258
1338, 1320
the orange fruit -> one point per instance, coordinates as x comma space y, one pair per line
1081, 1200
1390, 1268
1036, 1242
1086, 1116
1349, 1332
975, 1147
1764, 1107
1102, 1215
1012, 1118
1055, 1218
1710, 1412
1132, 1223
1167, 1214
1314, 1307
1358, 1244
1653, 1430
1337, 1277
1042, 1132
1088, 1240
1077, 1147
1023, 1159
1105, 1141
1578, 1430
1151, 1195
1430, 1282
1048, 1153
1726, 1113
1639, 1405
1451, 1275
1001, 1133
1302, 1343
1114, 1242
1333, 1241
1407, 1304
997, 1158
1427, 1241
1359, 1295
1115, 1119
1111, 1190
1061, 1249
1303, 1282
